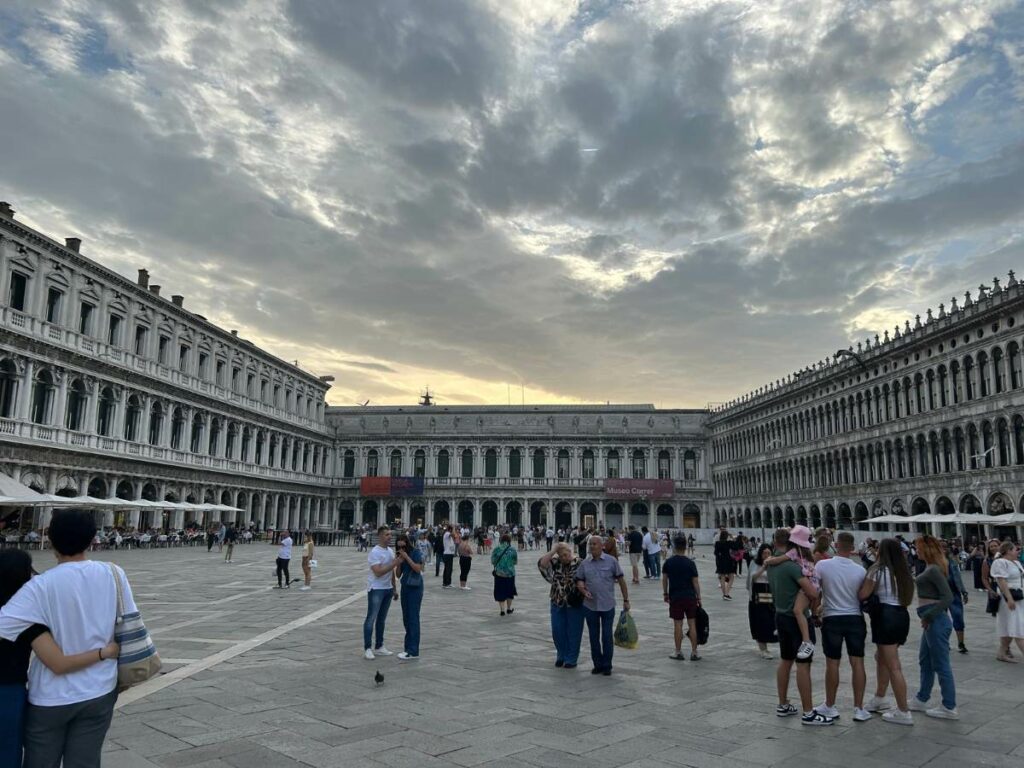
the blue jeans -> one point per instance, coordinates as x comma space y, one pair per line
956, 612
378, 601
655, 560
567, 632
411, 599
13, 699
600, 625
933, 658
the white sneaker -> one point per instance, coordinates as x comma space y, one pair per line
916, 705
403, 656
368, 655
861, 715
827, 711
805, 651
465, 589
878, 704
943, 713
896, 717
382, 651
304, 589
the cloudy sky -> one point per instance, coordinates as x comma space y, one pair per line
648, 201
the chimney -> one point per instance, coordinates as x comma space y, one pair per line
178, 300
234, 332
6, 212
73, 243
144, 278
155, 290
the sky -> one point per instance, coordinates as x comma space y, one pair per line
528, 200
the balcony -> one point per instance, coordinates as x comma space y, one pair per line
55, 437
552, 483
98, 350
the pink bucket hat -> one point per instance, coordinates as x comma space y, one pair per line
801, 536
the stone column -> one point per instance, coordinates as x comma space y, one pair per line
119, 417
61, 400
25, 391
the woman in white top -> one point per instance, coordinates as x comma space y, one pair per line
1007, 575
68, 715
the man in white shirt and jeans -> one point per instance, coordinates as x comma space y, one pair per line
380, 591
842, 622
68, 715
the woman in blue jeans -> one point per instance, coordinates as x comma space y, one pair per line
558, 567
411, 578
933, 600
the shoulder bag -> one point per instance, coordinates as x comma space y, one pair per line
138, 660
494, 570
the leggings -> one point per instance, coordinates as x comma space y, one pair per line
446, 580
282, 567
464, 566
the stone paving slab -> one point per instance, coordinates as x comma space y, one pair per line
485, 692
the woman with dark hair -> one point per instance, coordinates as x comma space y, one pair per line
725, 566
68, 714
933, 600
411, 579
888, 590
760, 609
1007, 576
465, 563
503, 560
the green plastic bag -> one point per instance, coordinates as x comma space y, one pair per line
625, 632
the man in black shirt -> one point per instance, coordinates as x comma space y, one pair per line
681, 586
636, 550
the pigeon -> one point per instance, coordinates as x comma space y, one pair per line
378, 678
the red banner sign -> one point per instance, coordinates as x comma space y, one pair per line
621, 488
391, 486
375, 486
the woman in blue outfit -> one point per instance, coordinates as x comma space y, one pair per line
15, 571
411, 578
558, 567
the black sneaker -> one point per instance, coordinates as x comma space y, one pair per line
786, 710
963, 648
816, 718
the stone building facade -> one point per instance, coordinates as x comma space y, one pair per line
110, 390
523, 465
927, 421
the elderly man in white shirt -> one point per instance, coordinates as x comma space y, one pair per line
68, 715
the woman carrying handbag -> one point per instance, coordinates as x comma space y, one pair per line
760, 609
1007, 575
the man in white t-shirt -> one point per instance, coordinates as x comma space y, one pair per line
842, 622
284, 559
68, 715
380, 591
652, 551
448, 556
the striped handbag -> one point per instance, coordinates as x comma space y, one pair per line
138, 660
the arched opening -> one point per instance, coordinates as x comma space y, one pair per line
664, 465
8, 388
613, 469
465, 518
372, 463
514, 513
395, 465
828, 520
638, 514
588, 515
491, 466
639, 465
349, 464
613, 515
691, 516
860, 512
105, 412
538, 464
538, 513
370, 512
417, 515
666, 516
42, 397
393, 514
442, 512
587, 465
489, 513
97, 488
563, 515
515, 464
346, 515
467, 463
76, 406
196, 442
845, 517
443, 463
419, 463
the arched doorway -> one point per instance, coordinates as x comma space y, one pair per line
466, 509
418, 514
613, 515
691, 516
845, 517
563, 514
442, 512
489, 513
514, 513
538, 513
588, 515
346, 515
393, 514
666, 516
370, 508
638, 514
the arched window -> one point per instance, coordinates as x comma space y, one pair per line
1013, 353
443, 463
232, 438
42, 397
243, 455
177, 428
131, 419
690, 465
419, 463
105, 412
1003, 443
664, 465
196, 442
1018, 439
371, 464
614, 469
156, 422
539, 469
969, 378
8, 388
984, 376
987, 444
587, 465
212, 445
491, 463
295, 455
515, 463
639, 465
467, 462
77, 401
563, 464
396, 463
260, 440
305, 457
348, 464
999, 366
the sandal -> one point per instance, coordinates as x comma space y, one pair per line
677, 656
1007, 658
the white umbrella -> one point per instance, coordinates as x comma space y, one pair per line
15, 494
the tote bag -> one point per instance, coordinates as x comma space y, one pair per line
138, 660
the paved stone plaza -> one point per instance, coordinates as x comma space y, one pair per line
260, 677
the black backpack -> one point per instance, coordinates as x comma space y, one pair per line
703, 626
